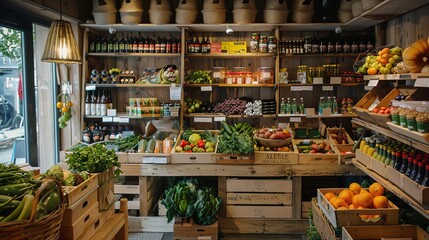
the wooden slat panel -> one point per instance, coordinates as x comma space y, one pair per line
297, 197
262, 226
259, 198
258, 185
150, 224
143, 196
221, 189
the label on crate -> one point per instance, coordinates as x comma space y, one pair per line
203, 119
90, 87
296, 88
307, 88
372, 83
116, 119
422, 82
107, 119
335, 80
124, 120
405, 76
206, 89
175, 93
367, 88
327, 88
317, 80
393, 76
219, 119
295, 119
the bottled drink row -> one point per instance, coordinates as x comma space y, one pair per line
134, 44
343, 107
97, 102
95, 132
193, 45
292, 107
322, 46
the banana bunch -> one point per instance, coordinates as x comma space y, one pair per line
382, 63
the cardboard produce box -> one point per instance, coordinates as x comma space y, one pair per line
385, 232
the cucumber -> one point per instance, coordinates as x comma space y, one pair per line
150, 146
227, 128
142, 145
238, 126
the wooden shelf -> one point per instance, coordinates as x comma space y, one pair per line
128, 85
134, 54
423, 209
397, 136
209, 115
229, 55
123, 115
321, 85
389, 77
324, 55
348, 115
230, 85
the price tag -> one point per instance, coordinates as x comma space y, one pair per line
111, 112
148, 159
327, 111
372, 83
206, 89
310, 111
393, 76
160, 160
367, 88
127, 134
124, 120
219, 119
317, 80
335, 80
203, 119
327, 88
90, 87
405, 76
296, 88
307, 88
175, 93
107, 119
295, 119
422, 82
174, 114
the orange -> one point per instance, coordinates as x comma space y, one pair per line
363, 216
383, 61
365, 198
372, 71
355, 187
380, 202
346, 195
332, 200
351, 206
355, 200
342, 208
339, 203
376, 189
384, 51
329, 195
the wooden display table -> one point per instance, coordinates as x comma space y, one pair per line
116, 227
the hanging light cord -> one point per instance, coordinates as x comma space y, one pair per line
61, 10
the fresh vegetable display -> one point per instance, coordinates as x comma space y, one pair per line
230, 106
259, 147
274, 133
416, 56
197, 106
66, 177
127, 143
19, 190
313, 147
93, 159
236, 139
196, 142
199, 77
382, 62
187, 199
64, 105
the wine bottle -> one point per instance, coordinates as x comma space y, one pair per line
110, 47
163, 45
98, 104
103, 104
425, 181
98, 45
415, 170
87, 104
152, 46
421, 172
197, 45
208, 45
168, 46
104, 45
157, 45
93, 107
121, 44
110, 101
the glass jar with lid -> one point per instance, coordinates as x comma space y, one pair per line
301, 74
265, 75
310, 75
254, 43
219, 74
263, 44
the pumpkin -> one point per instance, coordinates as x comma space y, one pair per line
416, 56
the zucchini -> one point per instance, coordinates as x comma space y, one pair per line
238, 126
15, 189
150, 146
142, 145
227, 128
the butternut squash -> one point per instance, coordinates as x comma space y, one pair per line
416, 56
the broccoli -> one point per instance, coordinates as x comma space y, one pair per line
69, 180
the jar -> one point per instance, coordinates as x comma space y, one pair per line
239, 69
411, 120
403, 117
318, 73
248, 78
254, 43
239, 77
310, 74
272, 45
263, 44
229, 77
301, 74
283, 75
265, 75
395, 114
422, 120
327, 73
219, 74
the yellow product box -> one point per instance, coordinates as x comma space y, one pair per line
237, 47
224, 47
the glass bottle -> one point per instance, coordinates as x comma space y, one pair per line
294, 106
354, 47
301, 106
103, 45
362, 47
398, 160
334, 105
197, 45
140, 45
420, 173
425, 181
135, 45
174, 46
307, 45
93, 103
203, 45
127, 46
98, 45
208, 45
98, 104
152, 46
91, 46
315, 46
179, 46
272, 45
338, 47
87, 104
282, 106
415, 170
288, 106
331, 48
110, 101
163, 45
103, 104
320, 107
323, 47
146, 45
404, 165
157, 45
122, 44
169, 46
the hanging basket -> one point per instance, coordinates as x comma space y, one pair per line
299, 16
190, 5
212, 5
184, 16
159, 16
368, 4
213, 16
162, 5
244, 4
357, 8
275, 16
131, 17
103, 5
344, 16
104, 18
276, 5
346, 5
244, 16
46, 228
298, 5
131, 6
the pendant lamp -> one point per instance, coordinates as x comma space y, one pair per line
61, 46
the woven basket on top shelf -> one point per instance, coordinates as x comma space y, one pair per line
243, 16
46, 228
357, 8
275, 16
184, 16
213, 16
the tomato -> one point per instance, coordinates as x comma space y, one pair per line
383, 108
381, 112
375, 110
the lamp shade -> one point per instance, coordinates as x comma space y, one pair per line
61, 46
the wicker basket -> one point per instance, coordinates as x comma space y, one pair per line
275, 16
346, 5
46, 228
212, 5
104, 18
344, 16
299, 16
368, 4
357, 8
184, 16
243, 16
187, 5
213, 16
131, 6
275, 5
240, 4
297, 5
159, 16
162, 5
131, 17
273, 143
108, 7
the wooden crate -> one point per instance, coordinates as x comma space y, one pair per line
193, 157
75, 193
322, 224
242, 211
331, 131
73, 212
259, 198
105, 176
345, 152
233, 159
362, 158
305, 206
339, 218
375, 94
81, 225
412, 232
316, 158
157, 158
420, 137
378, 167
415, 190
192, 231
151, 190
258, 185
394, 176
105, 194
98, 223
271, 157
